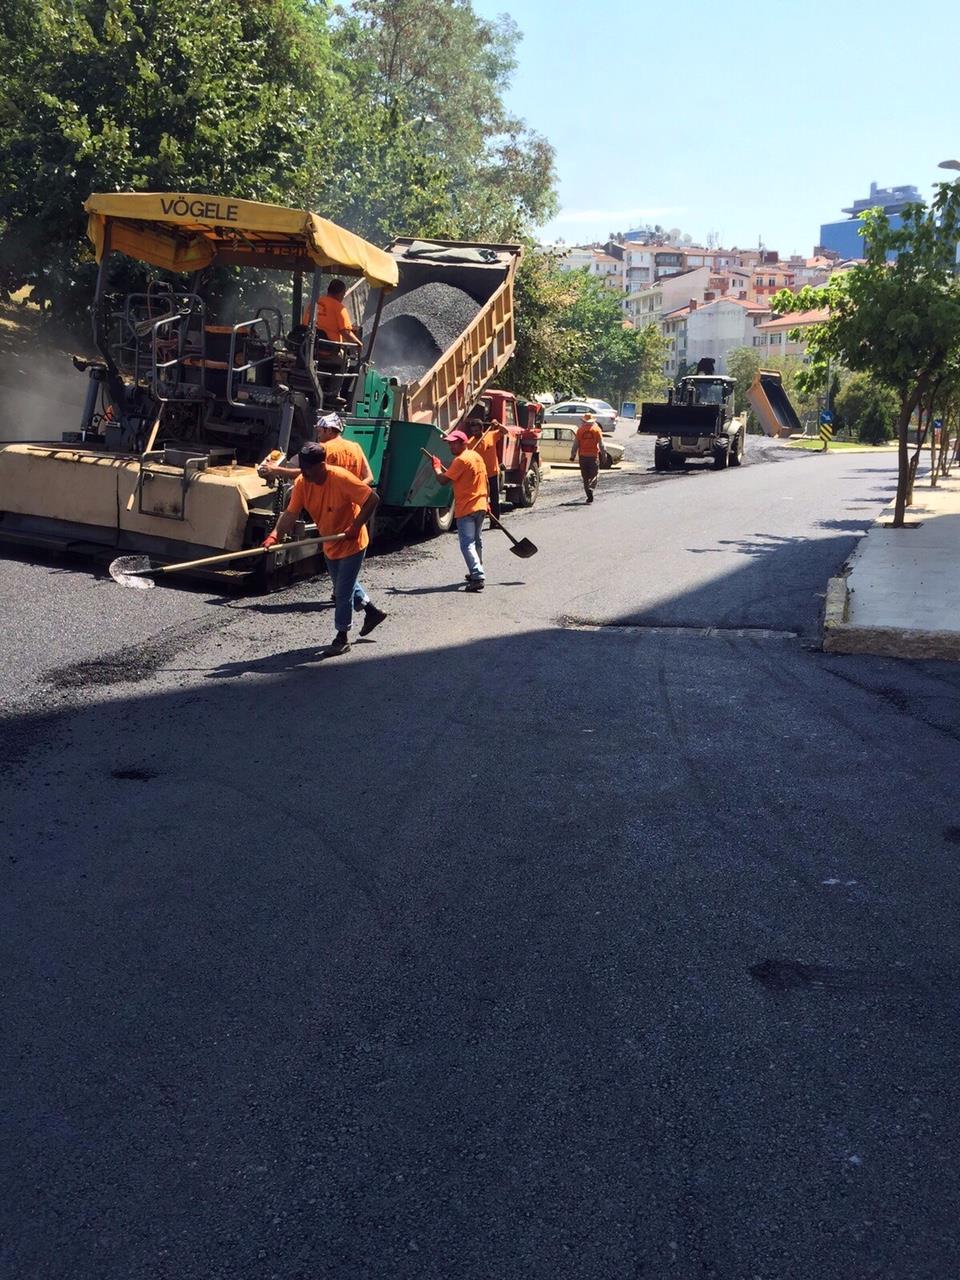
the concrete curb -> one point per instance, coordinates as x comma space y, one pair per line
841, 636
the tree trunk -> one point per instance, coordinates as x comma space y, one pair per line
907, 405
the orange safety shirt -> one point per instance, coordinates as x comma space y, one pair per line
333, 506
486, 446
332, 318
589, 440
347, 454
468, 476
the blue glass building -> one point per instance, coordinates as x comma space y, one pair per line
846, 238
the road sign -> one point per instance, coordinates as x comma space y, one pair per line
826, 418
826, 432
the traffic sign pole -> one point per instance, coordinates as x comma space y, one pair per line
826, 428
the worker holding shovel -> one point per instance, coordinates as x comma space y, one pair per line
337, 502
468, 476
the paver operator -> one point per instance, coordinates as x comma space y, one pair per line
588, 443
468, 476
333, 319
337, 502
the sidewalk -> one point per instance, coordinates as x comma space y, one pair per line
901, 595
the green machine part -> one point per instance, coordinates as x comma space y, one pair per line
378, 398
403, 476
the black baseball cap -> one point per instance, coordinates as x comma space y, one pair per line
311, 454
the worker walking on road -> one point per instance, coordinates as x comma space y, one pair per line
337, 502
588, 443
468, 476
340, 453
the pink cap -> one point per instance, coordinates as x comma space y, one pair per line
457, 435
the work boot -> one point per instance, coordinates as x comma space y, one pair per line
372, 617
475, 584
589, 496
341, 643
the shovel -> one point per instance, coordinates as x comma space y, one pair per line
522, 547
135, 571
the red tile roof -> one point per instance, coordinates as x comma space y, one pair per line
797, 319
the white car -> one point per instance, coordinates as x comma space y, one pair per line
569, 412
556, 443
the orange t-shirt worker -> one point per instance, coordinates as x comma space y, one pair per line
589, 439
333, 507
333, 320
588, 442
468, 476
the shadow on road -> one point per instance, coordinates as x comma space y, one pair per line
391, 965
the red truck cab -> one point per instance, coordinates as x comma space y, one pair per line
519, 447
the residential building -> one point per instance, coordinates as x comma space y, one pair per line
773, 336
673, 326
647, 305
721, 325
607, 267
845, 237
769, 278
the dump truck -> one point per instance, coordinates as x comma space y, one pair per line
696, 422
771, 404
445, 334
204, 370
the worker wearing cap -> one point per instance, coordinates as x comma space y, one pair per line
588, 443
337, 502
485, 443
468, 476
340, 453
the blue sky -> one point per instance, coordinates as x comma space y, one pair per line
737, 117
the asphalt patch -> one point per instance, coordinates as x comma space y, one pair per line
133, 663
951, 835
133, 775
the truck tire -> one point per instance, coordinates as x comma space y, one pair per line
440, 519
721, 457
661, 458
527, 492
736, 453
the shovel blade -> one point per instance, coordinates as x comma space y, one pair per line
127, 570
524, 549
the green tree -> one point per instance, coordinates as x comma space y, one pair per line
898, 321
443, 69
868, 408
147, 95
571, 337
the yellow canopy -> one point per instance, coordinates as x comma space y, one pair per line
184, 233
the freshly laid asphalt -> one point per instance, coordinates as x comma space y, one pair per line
595, 926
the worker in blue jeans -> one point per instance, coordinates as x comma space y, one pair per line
338, 503
467, 475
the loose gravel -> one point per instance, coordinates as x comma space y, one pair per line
419, 326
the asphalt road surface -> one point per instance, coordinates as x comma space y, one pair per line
595, 926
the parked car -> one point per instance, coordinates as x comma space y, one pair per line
569, 413
556, 443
